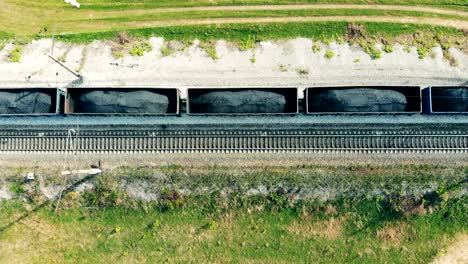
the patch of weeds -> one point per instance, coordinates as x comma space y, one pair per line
283, 68
316, 48
17, 188
210, 49
171, 199
84, 54
329, 54
116, 230
451, 60
356, 34
253, 59
278, 199
407, 49
165, 51
105, 193
140, 48
302, 71
120, 45
249, 43
373, 52
63, 57
211, 225
15, 54
422, 52
357, 60
340, 40
387, 48
355, 31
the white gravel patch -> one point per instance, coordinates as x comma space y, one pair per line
193, 68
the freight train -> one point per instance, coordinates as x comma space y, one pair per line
235, 101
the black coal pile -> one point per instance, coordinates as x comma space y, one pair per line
102, 101
248, 101
358, 100
25, 102
450, 100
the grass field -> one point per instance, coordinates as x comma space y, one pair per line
398, 226
45, 18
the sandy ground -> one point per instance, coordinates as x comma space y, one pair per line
278, 64
280, 7
109, 161
456, 253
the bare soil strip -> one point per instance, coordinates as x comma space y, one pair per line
287, 7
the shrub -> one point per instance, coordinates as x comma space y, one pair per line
302, 71
248, 43
17, 188
140, 48
316, 47
253, 59
171, 199
329, 54
15, 54
373, 52
165, 51
387, 48
422, 52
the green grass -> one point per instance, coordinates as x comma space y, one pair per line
319, 31
377, 214
132, 4
49, 17
207, 230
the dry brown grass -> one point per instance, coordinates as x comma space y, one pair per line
33, 234
331, 228
392, 234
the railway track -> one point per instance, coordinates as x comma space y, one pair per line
146, 140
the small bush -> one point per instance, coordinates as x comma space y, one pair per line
165, 51
422, 52
357, 60
316, 47
302, 71
139, 49
104, 194
283, 68
355, 31
17, 188
253, 59
451, 60
373, 52
248, 43
407, 49
171, 199
123, 38
387, 48
15, 54
329, 54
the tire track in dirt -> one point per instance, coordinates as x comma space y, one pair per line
434, 10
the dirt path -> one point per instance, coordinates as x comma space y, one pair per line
456, 253
287, 7
459, 24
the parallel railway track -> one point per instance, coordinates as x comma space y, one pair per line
121, 140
